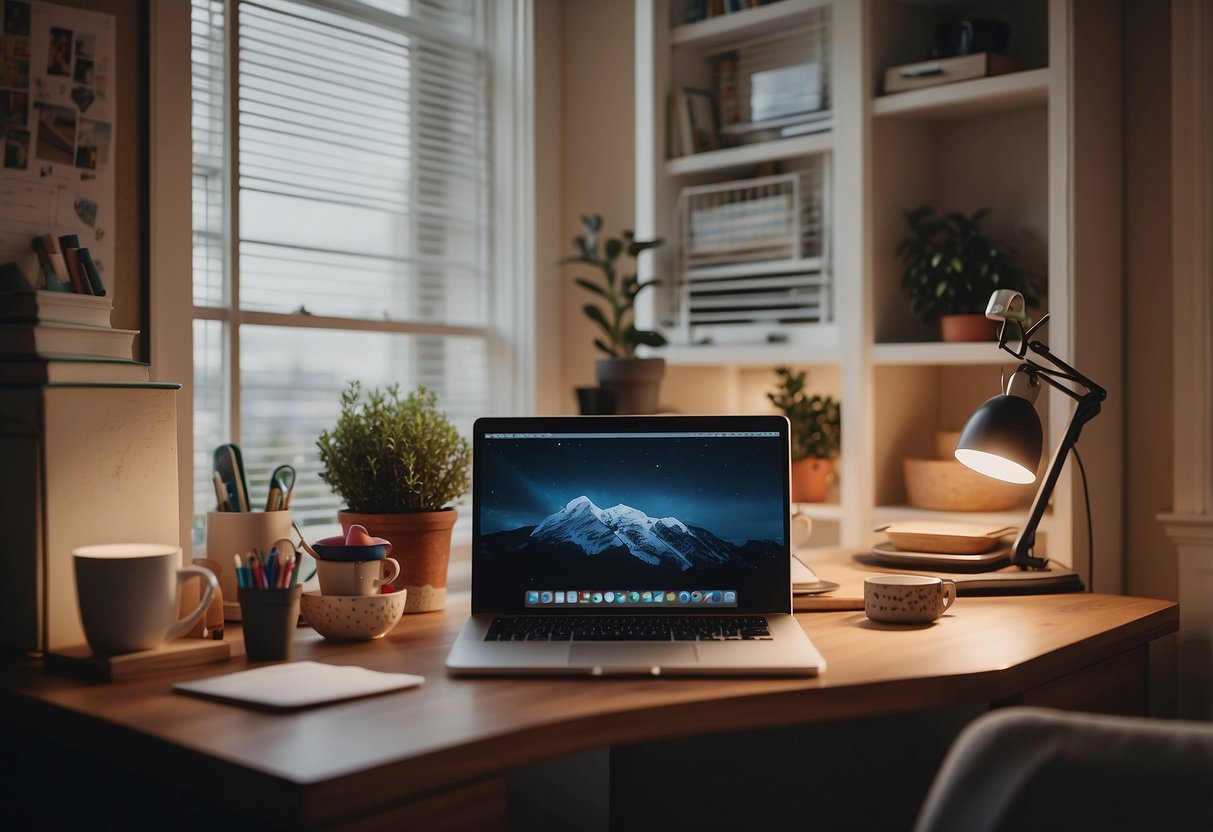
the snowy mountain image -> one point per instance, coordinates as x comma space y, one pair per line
656, 541
620, 538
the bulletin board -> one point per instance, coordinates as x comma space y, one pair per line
58, 107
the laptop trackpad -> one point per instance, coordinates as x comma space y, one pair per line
632, 657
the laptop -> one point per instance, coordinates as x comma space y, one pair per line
654, 545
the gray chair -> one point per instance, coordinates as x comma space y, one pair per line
1037, 769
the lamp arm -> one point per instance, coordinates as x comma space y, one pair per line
1067, 372
1087, 409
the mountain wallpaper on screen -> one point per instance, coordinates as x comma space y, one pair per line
625, 536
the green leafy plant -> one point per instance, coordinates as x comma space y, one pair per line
393, 455
951, 267
616, 317
816, 420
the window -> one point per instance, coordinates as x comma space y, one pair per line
343, 223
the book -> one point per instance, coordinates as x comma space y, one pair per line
47, 338
91, 271
54, 369
50, 246
69, 244
28, 305
50, 277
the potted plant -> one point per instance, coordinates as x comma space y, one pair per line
816, 434
398, 463
632, 382
952, 268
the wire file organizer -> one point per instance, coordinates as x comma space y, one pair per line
753, 260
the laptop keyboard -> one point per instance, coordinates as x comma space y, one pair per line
628, 628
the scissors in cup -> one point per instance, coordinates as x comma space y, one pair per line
282, 484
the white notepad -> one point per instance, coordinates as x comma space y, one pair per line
297, 685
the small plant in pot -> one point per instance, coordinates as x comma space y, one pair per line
951, 268
816, 434
632, 383
399, 463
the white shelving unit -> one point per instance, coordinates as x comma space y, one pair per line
1018, 144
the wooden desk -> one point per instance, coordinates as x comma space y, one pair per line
439, 754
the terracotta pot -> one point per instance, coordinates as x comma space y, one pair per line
421, 542
976, 327
811, 479
634, 383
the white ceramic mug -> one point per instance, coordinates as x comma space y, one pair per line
907, 599
356, 577
130, 593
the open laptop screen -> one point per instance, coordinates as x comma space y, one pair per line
664, 514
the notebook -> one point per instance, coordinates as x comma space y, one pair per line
655, 545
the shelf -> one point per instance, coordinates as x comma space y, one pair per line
820, 350
981, 96
728, 29
939, 352
750, 154
828, 512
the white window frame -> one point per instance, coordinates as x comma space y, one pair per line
510, 24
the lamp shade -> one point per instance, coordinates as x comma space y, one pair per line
1002, 439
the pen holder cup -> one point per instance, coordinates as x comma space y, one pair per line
270, 617
229, 533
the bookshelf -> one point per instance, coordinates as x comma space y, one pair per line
1007, 142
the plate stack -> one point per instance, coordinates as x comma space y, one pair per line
941, 545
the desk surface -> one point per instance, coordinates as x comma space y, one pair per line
332, 762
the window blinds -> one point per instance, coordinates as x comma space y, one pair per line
359, 226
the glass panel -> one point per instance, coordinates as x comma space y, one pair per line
208, 96
291, 385
210, 416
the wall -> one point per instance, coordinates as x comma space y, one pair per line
598, 156
1150, 559
1151, 569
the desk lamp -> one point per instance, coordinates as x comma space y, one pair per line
1002, 439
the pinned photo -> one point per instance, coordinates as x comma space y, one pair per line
16, 18
14, 73
86, 45
84, 71
16, 150
59, 52
86, 210
92, 144
83, 97
14, 109
56, 135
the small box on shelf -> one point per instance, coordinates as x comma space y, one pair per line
946, 71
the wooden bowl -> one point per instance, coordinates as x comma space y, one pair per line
947, 485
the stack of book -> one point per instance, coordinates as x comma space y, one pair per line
59, 330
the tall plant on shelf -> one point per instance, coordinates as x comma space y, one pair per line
633, 382
951, 268
816, 434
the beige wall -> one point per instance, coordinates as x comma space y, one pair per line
1149, 557
597, 159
